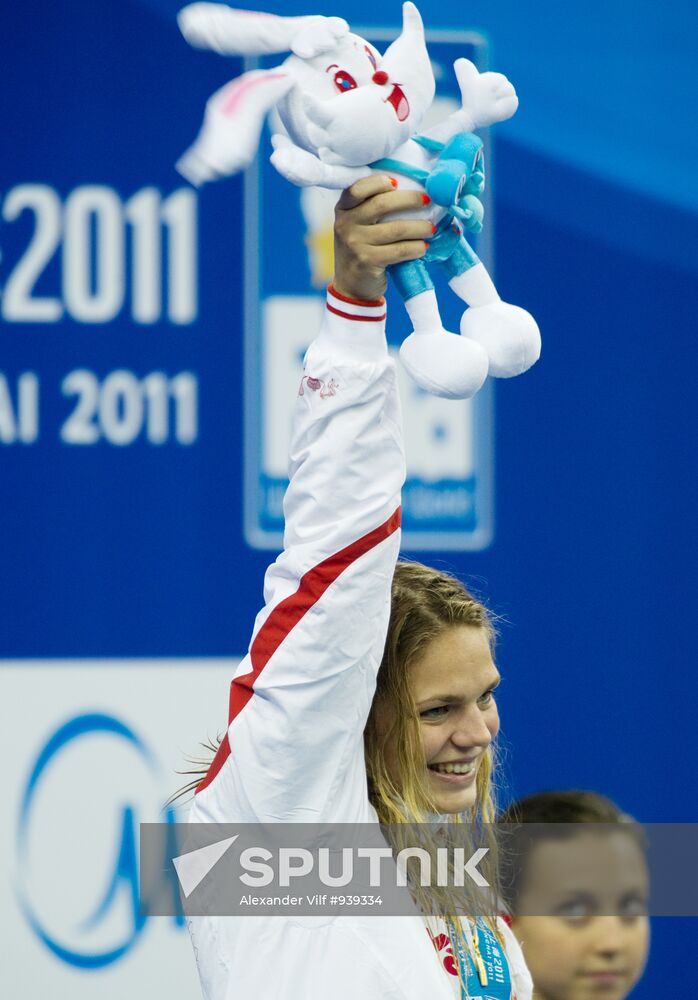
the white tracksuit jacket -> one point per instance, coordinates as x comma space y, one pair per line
300, 698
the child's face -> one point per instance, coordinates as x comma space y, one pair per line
592, 944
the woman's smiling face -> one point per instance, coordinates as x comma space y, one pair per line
452, 686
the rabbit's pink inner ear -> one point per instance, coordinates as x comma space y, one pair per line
247, 86
374, 56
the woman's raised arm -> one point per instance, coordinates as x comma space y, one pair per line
300, 698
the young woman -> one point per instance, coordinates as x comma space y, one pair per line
303, 696
579, 895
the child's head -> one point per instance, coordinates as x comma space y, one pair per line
577, 890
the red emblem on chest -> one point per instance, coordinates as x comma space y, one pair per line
444, 948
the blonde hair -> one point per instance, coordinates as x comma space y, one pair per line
425, 603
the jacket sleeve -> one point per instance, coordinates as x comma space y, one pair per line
300, 698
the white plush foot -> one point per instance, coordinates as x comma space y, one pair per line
508, 334
444, 364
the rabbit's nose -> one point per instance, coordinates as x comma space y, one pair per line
380, 77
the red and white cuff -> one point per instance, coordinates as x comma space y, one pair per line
355, 309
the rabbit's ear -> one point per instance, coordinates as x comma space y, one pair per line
235, 114
407, 60
410, 44
234, 32
317, 35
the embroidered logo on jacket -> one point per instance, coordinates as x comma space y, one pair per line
317, 384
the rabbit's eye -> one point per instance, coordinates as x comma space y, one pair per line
372, 58
344, 81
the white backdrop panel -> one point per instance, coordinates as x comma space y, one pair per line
91, 750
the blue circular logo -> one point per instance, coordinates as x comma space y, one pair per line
122, 881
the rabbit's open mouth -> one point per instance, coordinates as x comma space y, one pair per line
400, 103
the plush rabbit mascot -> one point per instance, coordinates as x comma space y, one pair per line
348, 110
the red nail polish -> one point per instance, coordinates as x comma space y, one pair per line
433, 228
426, 244
393, 181
426, 199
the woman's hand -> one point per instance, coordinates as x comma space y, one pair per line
364, 245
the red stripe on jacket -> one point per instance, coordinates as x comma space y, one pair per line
285, 617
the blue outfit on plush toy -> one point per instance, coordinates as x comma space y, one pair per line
455, 181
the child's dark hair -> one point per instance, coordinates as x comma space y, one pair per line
547, 816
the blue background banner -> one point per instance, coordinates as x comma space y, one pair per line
122, 386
